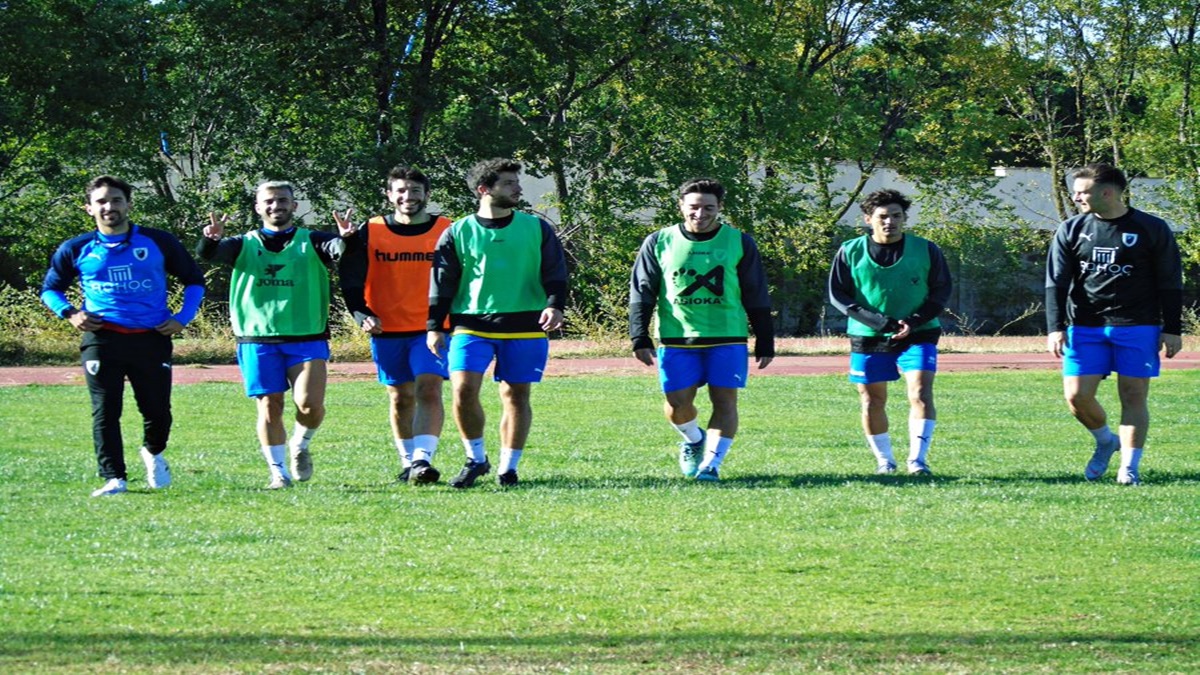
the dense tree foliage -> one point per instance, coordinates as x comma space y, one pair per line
616, 102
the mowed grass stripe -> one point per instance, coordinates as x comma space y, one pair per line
605, 559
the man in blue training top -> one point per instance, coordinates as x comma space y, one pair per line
126, 324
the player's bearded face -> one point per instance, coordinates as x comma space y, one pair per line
506, 193
411, 205
408, 197
277, 207
108, 206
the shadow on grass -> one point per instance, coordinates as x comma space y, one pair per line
1149, 479
505, 652
836, 480
733, 481
730, 480
833, 480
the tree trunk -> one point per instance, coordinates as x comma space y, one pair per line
383, 72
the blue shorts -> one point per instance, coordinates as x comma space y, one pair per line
264, 365
1132, 351
399, 360
518, 360
872, 367
717, 366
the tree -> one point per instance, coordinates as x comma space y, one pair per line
68, 83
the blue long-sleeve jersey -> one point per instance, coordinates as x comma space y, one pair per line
124, 277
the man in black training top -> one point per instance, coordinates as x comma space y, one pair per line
1114, 299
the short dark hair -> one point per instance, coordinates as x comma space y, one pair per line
705, 186
880, 198
401, 172
1108, 174
109, 181
487, 172
276, 185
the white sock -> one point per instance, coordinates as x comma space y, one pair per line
404, 448
474, 448
920, 435
1130, 458
1103, 435
276, 456
690, 431
302, 436
881, 447
424, 446
715, 448
509, 457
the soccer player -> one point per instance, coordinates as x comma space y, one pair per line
501, 276
385, 281
1114, 299
704, 281
279, 307
126, 323
892, 286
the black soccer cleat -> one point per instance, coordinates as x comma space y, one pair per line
421, 472
404, 474
508, 478
470, 473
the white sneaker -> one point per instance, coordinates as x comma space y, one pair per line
279, 482
114, 486
158, 474
884, 468
1127, 476
1097, 466
302, 467
917, 467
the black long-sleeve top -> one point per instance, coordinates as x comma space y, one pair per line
1121, 272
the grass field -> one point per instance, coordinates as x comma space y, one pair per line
605, 560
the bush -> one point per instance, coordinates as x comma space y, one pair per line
30, 334
1191, 320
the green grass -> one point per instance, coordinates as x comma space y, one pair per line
605, 560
